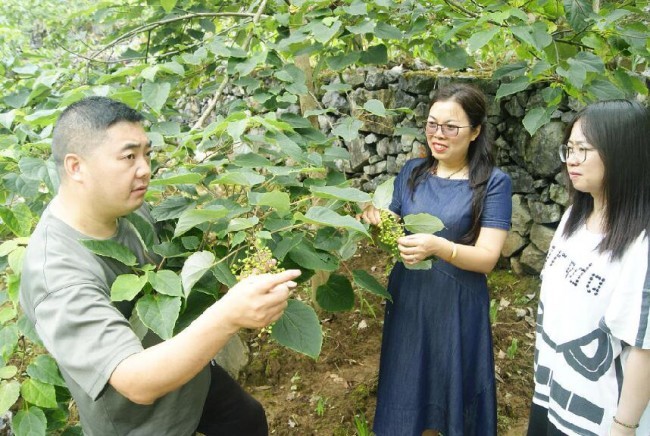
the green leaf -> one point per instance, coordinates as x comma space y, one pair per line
168, 5
357, 7
299, 329
111, 249
327, 217
451, 56
375, 55
127, 286
307, 257
511, 70
375, 107
242, 223
243, 178
348, 129
194, 217
577, 12
15, 260
7, 372
145, 230
536, 118
424, 265
159, 313
44, 369
345, 194
18, 219
172, 208
336, 295
224, 275
38, 393
364, 280
340, 62
383, 195
277, 200
9, 393
604, 90
177, 179
323, 33
155, 94
194, 267
479, 39
166, 282
30, 422
517, 85
9, 336
386, 31
423, 223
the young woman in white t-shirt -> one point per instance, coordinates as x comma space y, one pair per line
592, 352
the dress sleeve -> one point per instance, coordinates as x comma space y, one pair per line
400, 186
628, 314
497, 208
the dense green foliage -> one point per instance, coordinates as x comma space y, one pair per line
234, 163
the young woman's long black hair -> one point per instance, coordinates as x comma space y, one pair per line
619, 131
479, 154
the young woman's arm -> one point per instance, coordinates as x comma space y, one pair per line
635, 393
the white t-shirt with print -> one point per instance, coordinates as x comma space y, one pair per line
590, 309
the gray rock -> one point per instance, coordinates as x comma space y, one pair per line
359, 154
559, 194
403, 99
376, 79
391, 165
234, 356
522, 182
417, 82
514, 108
521, 218
354, 77
544, 213
333, 99
383, 147
541, 236
541, 153
513, 245
532, 260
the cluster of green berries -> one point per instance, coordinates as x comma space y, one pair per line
259, 260
390, 230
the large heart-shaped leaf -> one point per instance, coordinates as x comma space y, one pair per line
299, 329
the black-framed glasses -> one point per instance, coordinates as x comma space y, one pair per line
447, 129
565, 151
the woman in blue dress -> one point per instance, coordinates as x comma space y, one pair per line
437, 367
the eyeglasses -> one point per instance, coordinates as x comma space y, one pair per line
447, 129
565, 151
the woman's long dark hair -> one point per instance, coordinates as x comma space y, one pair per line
618, 130
479, 154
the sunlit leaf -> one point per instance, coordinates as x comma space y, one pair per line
112, 249
194, 267
38, 393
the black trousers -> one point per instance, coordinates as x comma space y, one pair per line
538, 424
229, 409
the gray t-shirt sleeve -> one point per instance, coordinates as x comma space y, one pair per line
86, 334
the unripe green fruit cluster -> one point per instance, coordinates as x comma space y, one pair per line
390, 230
258, 260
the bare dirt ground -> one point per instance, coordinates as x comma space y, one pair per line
336, 394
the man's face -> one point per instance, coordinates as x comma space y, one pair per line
116, 173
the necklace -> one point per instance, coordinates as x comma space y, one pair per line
435, 171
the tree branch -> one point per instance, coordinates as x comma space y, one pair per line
150, 26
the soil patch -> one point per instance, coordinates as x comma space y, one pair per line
336, 394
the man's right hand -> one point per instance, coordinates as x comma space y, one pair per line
258, 300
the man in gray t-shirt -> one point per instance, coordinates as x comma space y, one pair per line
121, 384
